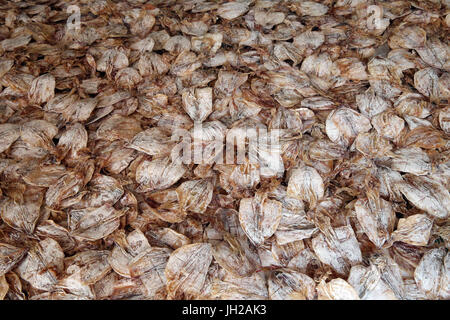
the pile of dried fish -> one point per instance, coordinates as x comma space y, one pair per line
104, 103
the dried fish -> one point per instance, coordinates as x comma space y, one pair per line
341, 252
291, 285
9, 133
159, 173
152, 141
42, 265
376, 217
118, 127
195, 195
232, 10
23, 215
228, 149
426, 194
306, 184
42, 89
344, 124
9, 256
94, 223
237, 256
187, 268
259, 218
239, 288
415, 230
198, 103
431, 275
368, 283
336, 289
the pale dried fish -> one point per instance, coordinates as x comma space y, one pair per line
198, 103
195, 195
39, 133
426, 194
42, 265
415, 230
408, 37
159, 173
49, 229
152, 141
412, 160
186, 270
232, 10
15, 43
236, 256
310, 8
240, 288
341, 252
118, 127
23, 215
283, 149
5, 66
376, 217
288, 284
170, 237
72, 141
112, 59
306, 184
9, 133
94, 223
9, 257
368, 283
388, 125
336, 289
259, 218
42, 89
344, 124
126, 248
66, 186
431, 274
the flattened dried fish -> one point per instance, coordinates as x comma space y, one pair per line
427, 194
9, 256
159, 173
431, 274
377, 219
415, 230
341, 252
136, 163
306, 184
336, 289
195, 195
42, 89
344, 124
287, 284
186, 270
259, 219
94, 223
42, 265
8, 134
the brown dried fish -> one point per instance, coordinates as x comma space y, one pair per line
191, 149
427, 194
9, 256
